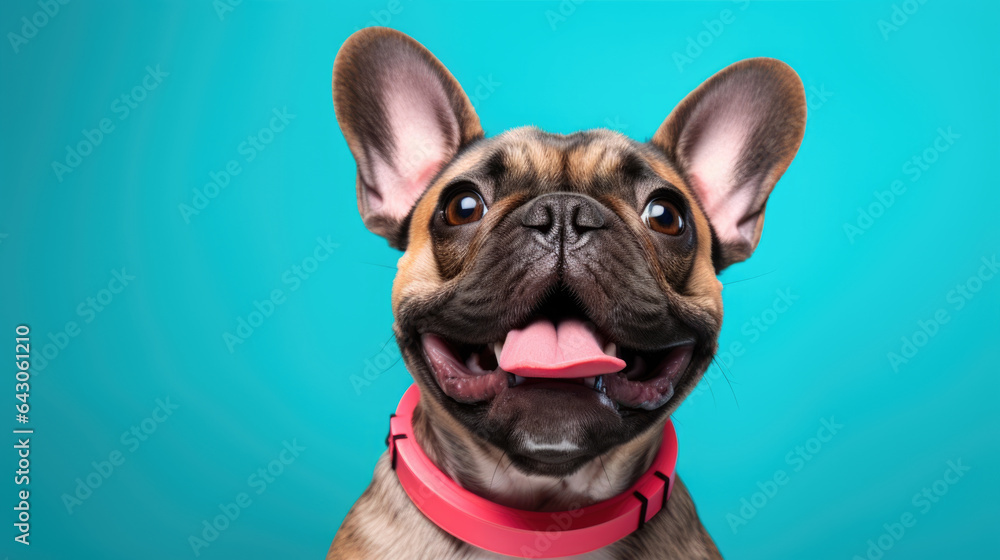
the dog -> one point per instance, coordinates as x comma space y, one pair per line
521, 242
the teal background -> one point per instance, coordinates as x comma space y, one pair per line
875, 103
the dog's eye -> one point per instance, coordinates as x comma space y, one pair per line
464, 207
663, 217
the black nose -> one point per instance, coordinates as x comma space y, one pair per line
563, 217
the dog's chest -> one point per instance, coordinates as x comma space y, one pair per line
506, 485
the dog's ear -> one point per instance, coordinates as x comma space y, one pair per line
404, 116
733, 138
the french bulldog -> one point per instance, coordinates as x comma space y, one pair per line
588, 249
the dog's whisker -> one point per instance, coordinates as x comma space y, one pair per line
751, 278
502, 455
379, 265
393, 364
606, 475
726, 377
720, 365
549, 488
388, 340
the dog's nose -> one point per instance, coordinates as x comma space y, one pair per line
563, 217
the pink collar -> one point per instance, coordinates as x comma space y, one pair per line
514, 532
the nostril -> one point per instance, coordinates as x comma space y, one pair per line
564, 215
539, 217
586, 217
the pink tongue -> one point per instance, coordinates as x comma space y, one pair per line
544, 349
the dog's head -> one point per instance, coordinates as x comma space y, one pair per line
558, 293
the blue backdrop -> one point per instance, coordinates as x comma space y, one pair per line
208, 316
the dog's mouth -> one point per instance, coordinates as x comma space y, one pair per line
558, 349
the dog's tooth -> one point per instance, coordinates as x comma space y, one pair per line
599, 384
590, 381
518, 380
611, 349
497, 349
473, 364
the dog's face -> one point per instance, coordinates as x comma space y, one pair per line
558, 295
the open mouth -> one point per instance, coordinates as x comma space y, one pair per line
558, 348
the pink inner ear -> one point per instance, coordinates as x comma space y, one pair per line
714, 158
423, 134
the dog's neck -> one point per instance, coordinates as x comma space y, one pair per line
486, 470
